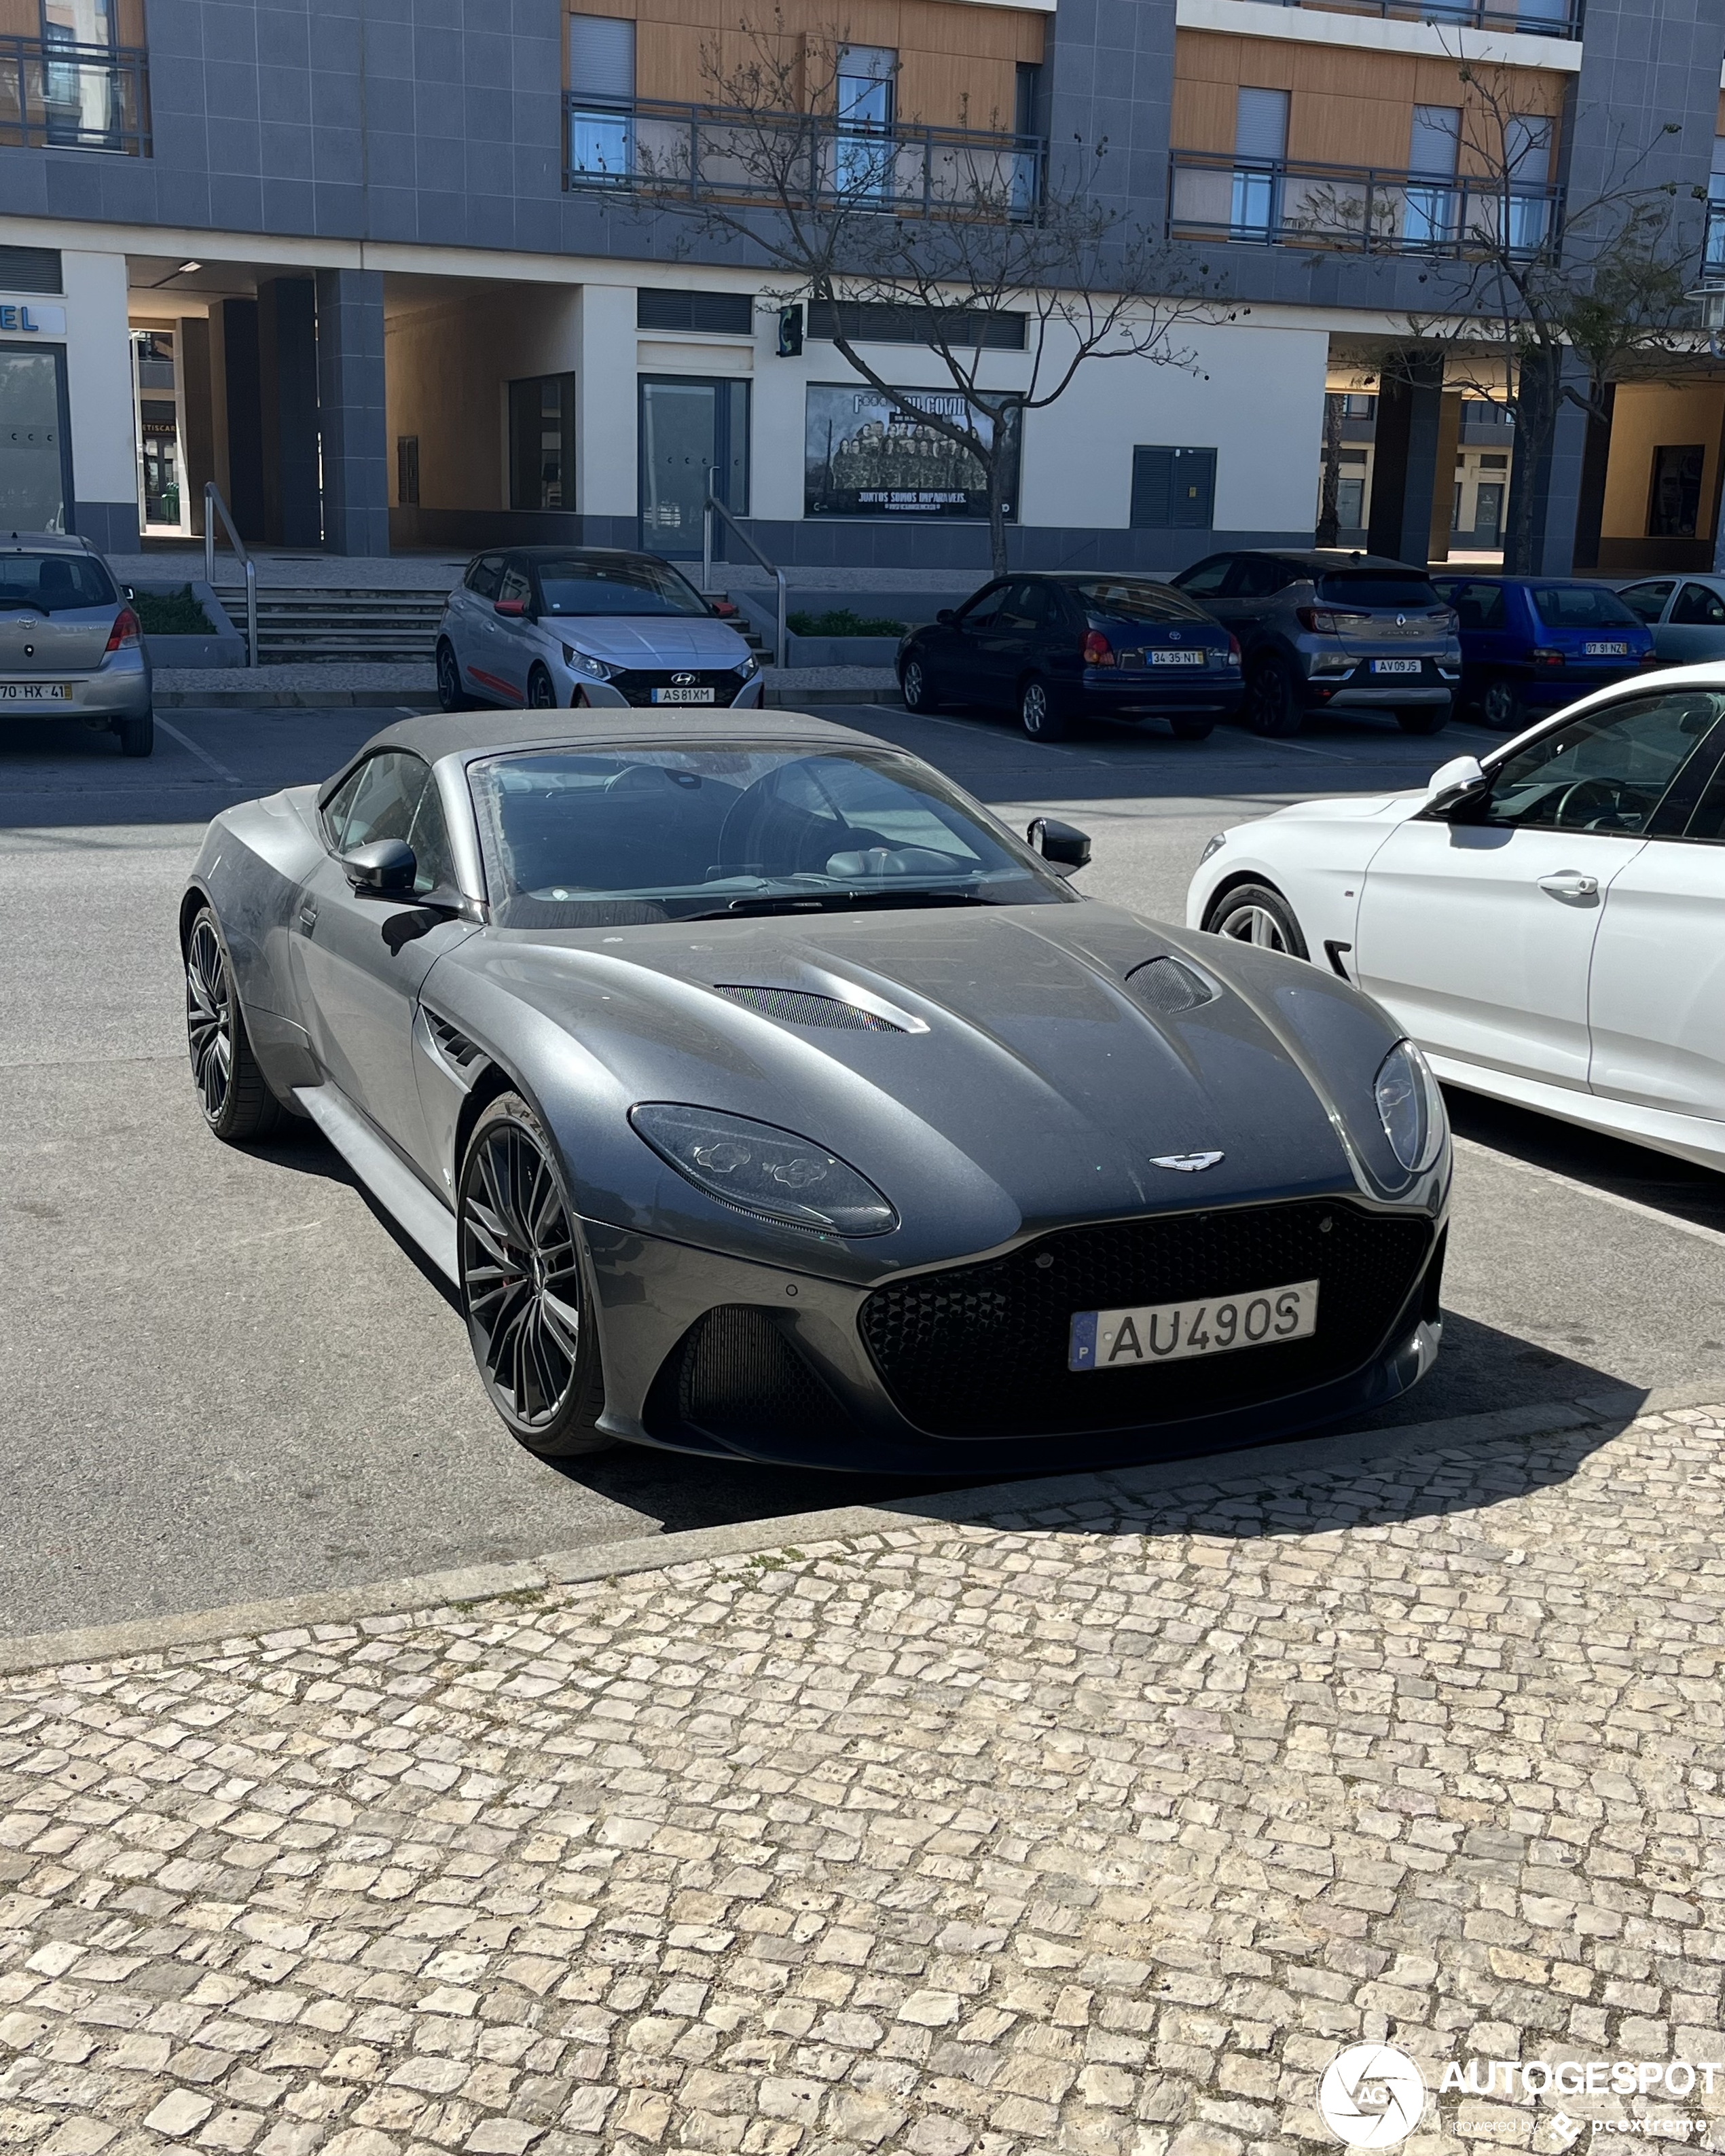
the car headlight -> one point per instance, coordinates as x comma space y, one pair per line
580, 662
763, 1170
748, 665
1410, 1107
1213, 846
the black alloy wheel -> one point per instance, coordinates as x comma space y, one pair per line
524, 1287
1423, 718
1254, 913
1500, 706
451, 696
236, 1102
1272, 706
913, 680
541, 696
1041, 717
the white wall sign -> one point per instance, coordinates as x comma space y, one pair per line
31, 318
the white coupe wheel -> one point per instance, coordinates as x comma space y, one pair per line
1254, 913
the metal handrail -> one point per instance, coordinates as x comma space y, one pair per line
1462, 14
711, 507
213, 500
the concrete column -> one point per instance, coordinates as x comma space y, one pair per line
1596, 463
352, 410
607, 477
199, 445
242, 415
1410, 401
104, 507
287, 367
1443, 486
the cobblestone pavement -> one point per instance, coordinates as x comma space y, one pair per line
1097, 1831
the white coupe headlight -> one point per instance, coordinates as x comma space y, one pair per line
581, 662
763, 1170
1213, 846
747, 665
1411, 1107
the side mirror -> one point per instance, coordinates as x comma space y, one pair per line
722, 608
512, 610
946, 614
383, 868
1063, 848
1454, 782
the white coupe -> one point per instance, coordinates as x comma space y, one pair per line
1548, 925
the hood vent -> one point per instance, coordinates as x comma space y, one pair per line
1167, 987
798, 1007
454, 1044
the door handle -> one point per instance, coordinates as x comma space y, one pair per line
1569, 883
308, 918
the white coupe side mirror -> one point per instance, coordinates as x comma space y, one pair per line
1453, 782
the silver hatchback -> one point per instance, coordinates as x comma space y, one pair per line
549, 626
70, 646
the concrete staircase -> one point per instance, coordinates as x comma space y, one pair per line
761, 646
302, 624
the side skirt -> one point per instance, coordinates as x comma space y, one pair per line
1688, 1138
395, 1187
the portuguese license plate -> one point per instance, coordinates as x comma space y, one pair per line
1395, 666
1177, 658
684, 696
1605, 650
1171, 1331
35, 692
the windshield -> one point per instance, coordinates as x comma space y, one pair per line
1119, 601
1582, 606
1377, 588
637, 585
606, 837
51, 583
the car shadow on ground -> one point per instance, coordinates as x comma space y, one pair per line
1660, 1181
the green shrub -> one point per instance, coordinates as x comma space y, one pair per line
171, 613
840, 621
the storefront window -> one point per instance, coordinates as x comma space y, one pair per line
542, 442
32, 474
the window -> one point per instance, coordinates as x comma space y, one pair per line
1477, 606
393, 796
1027, 91
867, 78
1705, 822
55, 582
1351, 503
1208, 578
1173, 490
1579, 606
542, 443
865, 321
1138, 600
602, 81
1646, 602
1527, 157
709, 313
1357, 404
982, 610
1027, 608
1607, 771
1257, 575
407, 470
1674, 499
516, 584
1377, 588
1260, 143
485, 576
1697, 607
1429, 217
615, 584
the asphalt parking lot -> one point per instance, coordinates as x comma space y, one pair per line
224, 1378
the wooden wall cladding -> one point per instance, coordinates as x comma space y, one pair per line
958, 64
1345, 106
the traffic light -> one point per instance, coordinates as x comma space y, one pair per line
790, 332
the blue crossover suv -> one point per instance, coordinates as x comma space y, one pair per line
1530, 645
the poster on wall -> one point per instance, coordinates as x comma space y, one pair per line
863, 456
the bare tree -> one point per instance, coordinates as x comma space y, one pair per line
1014, 278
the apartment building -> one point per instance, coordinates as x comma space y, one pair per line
404, 273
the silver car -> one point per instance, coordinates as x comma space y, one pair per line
551, 626
1686, 615
70, 644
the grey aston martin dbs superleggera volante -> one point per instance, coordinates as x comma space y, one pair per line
763, 1096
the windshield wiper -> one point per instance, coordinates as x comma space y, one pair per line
838, 901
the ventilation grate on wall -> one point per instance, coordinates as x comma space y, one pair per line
30, 269
798, 1007
708, 314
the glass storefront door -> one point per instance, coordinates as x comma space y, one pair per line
35, 480
691, 428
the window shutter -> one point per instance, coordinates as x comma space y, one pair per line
601, 58
1437, 137
1260, 125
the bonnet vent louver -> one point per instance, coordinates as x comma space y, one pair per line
1168, 987
799, 1007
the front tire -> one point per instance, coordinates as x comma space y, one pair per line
236, 1102
1500, 706
913, 680
1254, 913
1271, 706
541, 696
1039, 714
137, 737
524, 1287
451, 696
1423, 718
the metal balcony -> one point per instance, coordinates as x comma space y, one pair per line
706, 153
63, 96
1278, 203
1712, 249
1538, 19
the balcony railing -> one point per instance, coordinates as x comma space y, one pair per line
704, 152
63, 96
1539, 18
1275, 203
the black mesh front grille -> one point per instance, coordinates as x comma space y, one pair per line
735, 1377
981, 1350
798, 1007
638, 685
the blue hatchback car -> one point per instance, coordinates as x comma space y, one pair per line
1530, 644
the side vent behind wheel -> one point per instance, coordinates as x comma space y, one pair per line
452, 1044
1168, 987
799, 1007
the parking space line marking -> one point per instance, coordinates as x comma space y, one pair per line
221, 770
1702, 1235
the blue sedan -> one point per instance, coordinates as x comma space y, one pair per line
1530, 645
